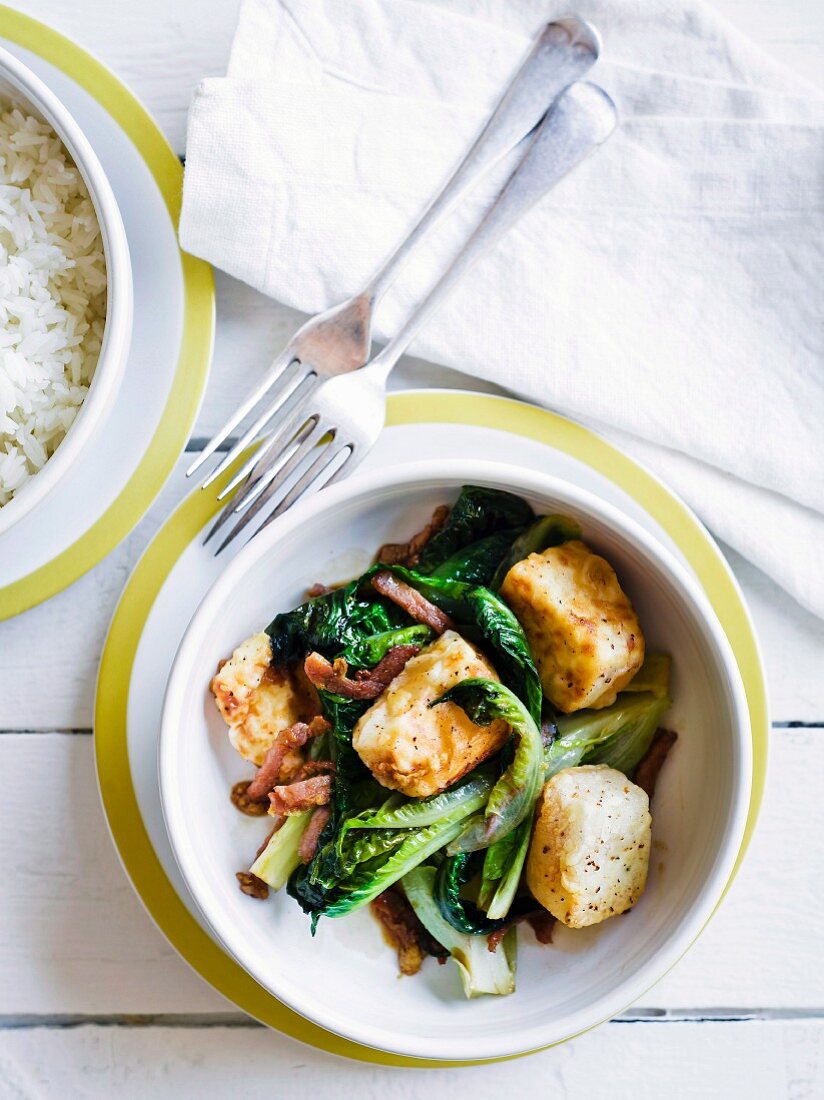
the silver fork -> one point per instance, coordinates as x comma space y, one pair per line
347, 412
339, 340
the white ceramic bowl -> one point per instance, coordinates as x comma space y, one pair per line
21, 83
346, 978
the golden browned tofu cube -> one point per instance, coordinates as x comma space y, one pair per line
257, 701
582, 630
589, 853
418, 750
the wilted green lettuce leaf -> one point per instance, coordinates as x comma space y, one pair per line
478, 512
618, 735
477, 563
481, 970
330, 623
280, 857
513, 796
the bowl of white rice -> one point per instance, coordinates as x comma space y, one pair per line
65, 292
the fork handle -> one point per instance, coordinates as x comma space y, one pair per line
580, 120
562, 53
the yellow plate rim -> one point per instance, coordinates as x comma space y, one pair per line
110, 720
197, 332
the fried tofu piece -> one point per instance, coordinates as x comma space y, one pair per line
411, 748
590, 847
257, 700
583, 632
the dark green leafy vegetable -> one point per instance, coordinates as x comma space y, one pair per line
496, 860
478, 512
464, 916
513, 796
368, 851
476, 563
453, 873
330, 623
355, 789
364, 881
368, 651
546, 531
626, 748
504, 637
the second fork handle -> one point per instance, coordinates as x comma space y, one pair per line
562, 53
582, 118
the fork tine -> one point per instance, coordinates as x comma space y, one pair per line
270, 449
238, 500
315, 434
226, 511
356, 455
249, 490
286, 391
277, 368
324, 459
276, 467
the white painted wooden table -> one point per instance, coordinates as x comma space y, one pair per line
92, 1000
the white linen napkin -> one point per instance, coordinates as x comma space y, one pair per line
668, 292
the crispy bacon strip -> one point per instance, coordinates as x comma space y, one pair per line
309, 841
412, 602
408, 553
403, 930
252, 885
367, 684
313, 767
646, 774
294, 798
270, 772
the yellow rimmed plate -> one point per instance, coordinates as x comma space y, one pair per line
113, 483
175, 572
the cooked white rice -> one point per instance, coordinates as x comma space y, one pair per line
52, 294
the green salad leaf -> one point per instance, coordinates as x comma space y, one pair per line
503, 636
412, 813
352, 881
513, 797
502, 869
368, 651
478, 512
464, 916
653, 675
330, 623
477, 563
280, 857
618, 735
481, 970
